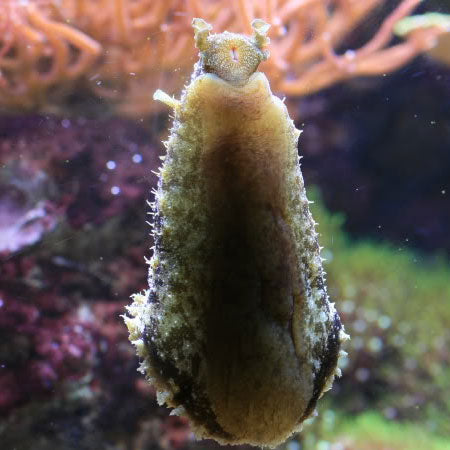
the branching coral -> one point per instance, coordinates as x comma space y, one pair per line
124, 49
38, 51
314, 64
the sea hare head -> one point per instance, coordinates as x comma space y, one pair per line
232, 57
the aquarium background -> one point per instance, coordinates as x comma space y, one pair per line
77, 166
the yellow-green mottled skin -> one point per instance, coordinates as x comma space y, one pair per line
236, 330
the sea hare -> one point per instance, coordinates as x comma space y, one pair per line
236, 330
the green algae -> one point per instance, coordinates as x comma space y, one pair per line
396, 307
371, 431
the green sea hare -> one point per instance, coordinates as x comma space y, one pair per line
236, 330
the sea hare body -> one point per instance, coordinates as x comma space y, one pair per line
236, 330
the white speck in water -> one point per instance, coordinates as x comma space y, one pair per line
293, 445
137, 158
375, 344
362, 374
359, 325
443, 192
115, 190
384, 322
350, 54
111, 165
323, 445
357, 343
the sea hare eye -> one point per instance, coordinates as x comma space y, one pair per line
236, 330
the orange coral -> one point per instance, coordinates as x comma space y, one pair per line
38, 51
124, 49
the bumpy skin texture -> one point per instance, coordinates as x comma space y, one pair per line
236, 330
